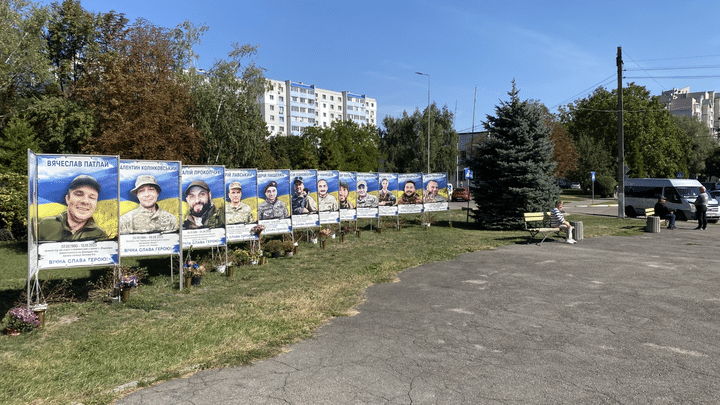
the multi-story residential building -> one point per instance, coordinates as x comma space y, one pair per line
701, 105
289, 107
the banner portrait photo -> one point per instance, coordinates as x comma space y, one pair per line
327, 192
274, 200
241, 205
150, 207
367, 190
77, 204
347, 195
410, 190
387, 195
435, 193
203, 193
304, 206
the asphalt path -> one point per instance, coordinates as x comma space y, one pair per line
609, 320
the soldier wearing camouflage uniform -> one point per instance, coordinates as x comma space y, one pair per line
237, 212
272, 207
148, 217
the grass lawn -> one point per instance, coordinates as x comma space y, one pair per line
90, 347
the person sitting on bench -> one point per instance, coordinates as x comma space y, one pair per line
557, 220
664, 212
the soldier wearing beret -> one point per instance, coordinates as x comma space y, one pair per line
147, 217
76, 223
237, 212
272, 207
203, 213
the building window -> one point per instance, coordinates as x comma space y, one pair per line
332, 98
324, 97
281, 99
272, 108
272, 118
272, 128
272, 97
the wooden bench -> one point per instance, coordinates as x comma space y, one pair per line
532, 219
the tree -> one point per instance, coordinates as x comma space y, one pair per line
654, 147
292, 152
71, 31
60, 124
345, 146
702, 143
512, 168
17, 138
405, 141
141, 105
226, 111
24, 66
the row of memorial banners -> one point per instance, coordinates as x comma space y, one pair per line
92, 210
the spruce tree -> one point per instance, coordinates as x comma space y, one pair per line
513, 166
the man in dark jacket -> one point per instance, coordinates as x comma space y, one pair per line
664, 212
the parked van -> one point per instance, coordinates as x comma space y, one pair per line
679, 193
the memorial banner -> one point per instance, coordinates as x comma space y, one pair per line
410, 189
435, 195
327, 186
387, 195
242, 203
149, 207
77, 201
273, 202
32, 215
367, 190
347, 196
203, 206
304, 199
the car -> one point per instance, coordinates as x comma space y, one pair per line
715, 194
575, 186
461, 194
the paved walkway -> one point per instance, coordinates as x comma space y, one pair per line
611, 320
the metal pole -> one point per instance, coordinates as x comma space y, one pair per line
428, 112
621, 146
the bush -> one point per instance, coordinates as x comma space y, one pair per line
13, 205
605, 186
274, 245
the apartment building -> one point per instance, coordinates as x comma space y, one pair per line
289, 107
701, 105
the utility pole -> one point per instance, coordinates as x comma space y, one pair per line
621, 141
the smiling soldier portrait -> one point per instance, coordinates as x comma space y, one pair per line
148, 217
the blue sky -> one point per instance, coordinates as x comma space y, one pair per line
557, 51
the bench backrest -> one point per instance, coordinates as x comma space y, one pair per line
541, 217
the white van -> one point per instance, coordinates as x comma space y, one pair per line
679, 193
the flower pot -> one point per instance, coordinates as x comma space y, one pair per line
322, 244
125, 294
188, 281
262, 260
275, 255
40, 313
314, 240
332, 236
289, 254
196, 280
221, 268
230, 271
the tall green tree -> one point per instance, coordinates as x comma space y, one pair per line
61, 125
226, 111
17, 138
702, 143
654, 147
513, 166
345, 145
70, 33
292, 152
405, 141
24, 66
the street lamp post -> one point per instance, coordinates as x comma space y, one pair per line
428, 111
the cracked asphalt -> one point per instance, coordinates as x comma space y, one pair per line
611, 320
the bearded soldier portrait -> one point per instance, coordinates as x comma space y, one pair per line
203, 213
148, 217
409, 195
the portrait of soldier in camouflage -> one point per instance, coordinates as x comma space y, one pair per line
147, 217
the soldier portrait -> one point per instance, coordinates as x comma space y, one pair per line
148, 217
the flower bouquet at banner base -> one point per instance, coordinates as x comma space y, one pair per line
193, 269
128, 281
258, 229
20, 320
325, 232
